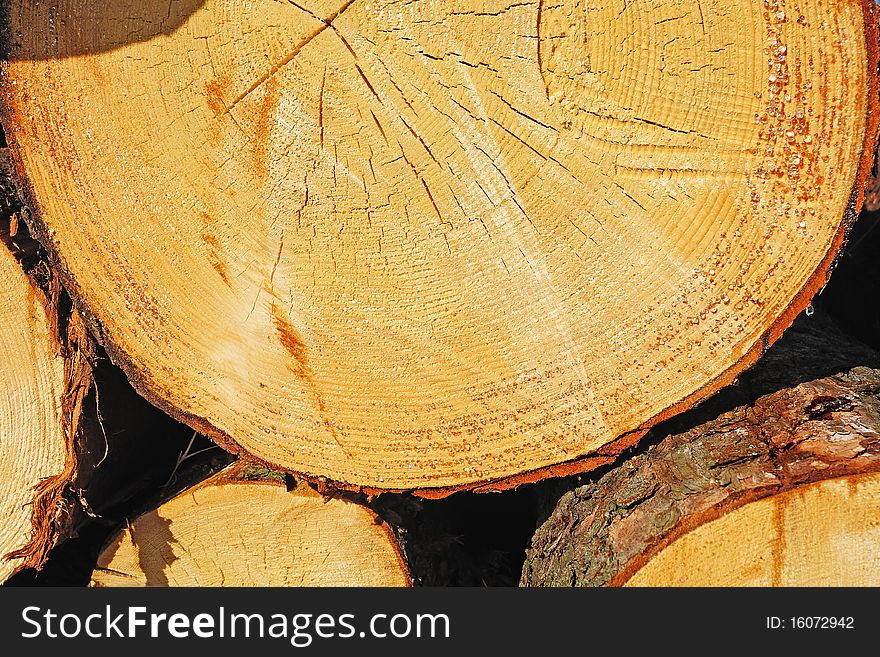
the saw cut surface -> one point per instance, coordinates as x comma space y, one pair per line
824, 534
226, 532
32, 445
414, 245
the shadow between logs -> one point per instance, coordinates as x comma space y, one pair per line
66, 28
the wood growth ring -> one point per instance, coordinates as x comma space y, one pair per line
432, 245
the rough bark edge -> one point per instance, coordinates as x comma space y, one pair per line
635, 511
56, 506
584, 463
245, 472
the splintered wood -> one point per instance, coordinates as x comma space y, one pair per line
435, 245
32, 443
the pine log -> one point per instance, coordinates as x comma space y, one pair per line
34, 456
243, 527
47, 455
439, 245
105, 431
784, 492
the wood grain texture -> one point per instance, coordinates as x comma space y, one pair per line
785, 492
822, 534
32, 440
229, 531
433, 245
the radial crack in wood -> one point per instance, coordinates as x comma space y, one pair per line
437, 245
233, 530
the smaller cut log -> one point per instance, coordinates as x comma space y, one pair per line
46, 456
243, 527
784, 492
34, 462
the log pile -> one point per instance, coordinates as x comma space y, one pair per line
386, 254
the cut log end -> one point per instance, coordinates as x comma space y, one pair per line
33, 448
427, 249
230, 531
821, 534
781, 493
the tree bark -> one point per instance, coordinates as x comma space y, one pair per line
410, 247
783, 492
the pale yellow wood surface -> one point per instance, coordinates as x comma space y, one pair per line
32, 443
824, 534
430, 244
224, 533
